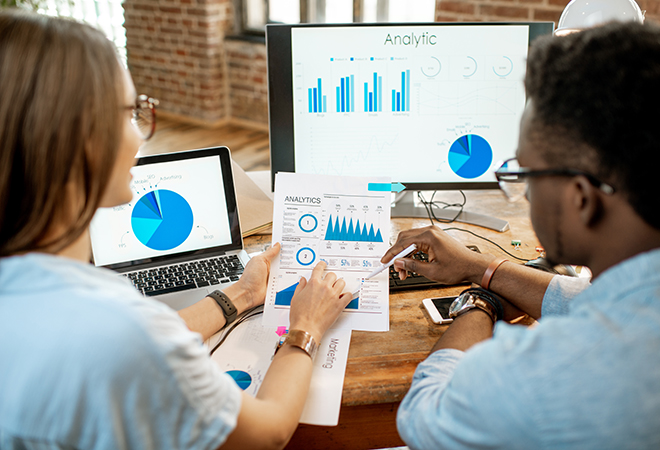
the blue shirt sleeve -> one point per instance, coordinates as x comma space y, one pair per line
561, 291
474, 404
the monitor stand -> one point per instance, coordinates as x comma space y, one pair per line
404, 206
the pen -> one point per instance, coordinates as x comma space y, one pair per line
378, 270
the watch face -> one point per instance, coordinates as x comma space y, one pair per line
457, 305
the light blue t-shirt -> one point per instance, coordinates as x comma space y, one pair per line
86, 362
586, 377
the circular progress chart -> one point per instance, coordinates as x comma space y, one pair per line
243, 379
162, 219
470, 156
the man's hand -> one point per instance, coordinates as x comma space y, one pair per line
450, 261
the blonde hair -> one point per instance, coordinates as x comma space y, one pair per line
60, 108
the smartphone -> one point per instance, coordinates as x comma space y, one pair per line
438, 309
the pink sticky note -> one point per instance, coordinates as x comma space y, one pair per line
280, 331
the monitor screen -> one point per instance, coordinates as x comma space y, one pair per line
433, 106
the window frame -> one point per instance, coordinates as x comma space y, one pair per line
308, 14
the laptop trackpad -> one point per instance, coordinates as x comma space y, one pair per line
180, 300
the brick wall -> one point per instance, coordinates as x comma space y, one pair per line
248, 82
177, 52
516, 10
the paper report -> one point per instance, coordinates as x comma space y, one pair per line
344, 221
248, 351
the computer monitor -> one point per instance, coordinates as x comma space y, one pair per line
434, 106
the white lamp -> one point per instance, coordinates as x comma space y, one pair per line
580, 14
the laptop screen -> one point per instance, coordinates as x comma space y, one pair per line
183, 204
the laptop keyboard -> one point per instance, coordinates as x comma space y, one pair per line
180, 277
415, 280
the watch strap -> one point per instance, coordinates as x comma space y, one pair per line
487, 301
486, 307
494, 300
228, 308
301, 339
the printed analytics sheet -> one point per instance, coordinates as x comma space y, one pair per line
344, 221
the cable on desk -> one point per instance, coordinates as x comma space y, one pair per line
487, 240
247, 315
429, 205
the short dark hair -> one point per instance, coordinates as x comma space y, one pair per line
601, 87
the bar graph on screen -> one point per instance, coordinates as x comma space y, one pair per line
401, 99
373, 96
316, 101
345, 94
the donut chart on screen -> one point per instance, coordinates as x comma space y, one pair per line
162, 219
470, 156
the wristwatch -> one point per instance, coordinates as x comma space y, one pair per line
300, 339
477, 298
228, 308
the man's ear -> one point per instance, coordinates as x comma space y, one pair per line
587, 201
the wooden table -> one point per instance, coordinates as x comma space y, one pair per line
381, 365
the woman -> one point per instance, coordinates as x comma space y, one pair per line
85, 361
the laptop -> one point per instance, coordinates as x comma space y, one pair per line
179, 238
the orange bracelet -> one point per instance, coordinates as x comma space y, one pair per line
490, 270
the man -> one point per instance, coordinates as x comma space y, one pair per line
588, 375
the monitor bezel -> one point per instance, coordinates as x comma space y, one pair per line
280, 94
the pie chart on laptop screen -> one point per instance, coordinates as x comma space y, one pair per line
162, 219
470, 156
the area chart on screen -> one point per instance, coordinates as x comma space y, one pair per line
470, 156
162, 219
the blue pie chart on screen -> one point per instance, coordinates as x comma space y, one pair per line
162, 219
243, 379
470, 156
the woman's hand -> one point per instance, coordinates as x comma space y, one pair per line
250, 289
317, 302
450, 261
